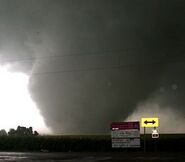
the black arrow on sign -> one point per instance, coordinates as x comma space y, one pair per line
146, 122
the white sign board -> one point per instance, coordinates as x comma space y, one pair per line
125, 142
155, 133
125, 134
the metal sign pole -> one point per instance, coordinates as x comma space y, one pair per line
155, 136
156, 145
144, 139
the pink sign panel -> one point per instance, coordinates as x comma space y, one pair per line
125, 125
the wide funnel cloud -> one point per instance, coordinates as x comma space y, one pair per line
93, 62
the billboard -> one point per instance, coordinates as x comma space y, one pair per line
125, 134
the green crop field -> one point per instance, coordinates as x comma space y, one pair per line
100, 143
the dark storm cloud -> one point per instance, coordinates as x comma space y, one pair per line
18, 25
119, 53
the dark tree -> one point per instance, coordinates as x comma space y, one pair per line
36, 133
3, 132
12, 132
23, 131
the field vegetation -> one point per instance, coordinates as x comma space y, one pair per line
100, 143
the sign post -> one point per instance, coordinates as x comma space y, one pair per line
149, 122
144, 139
155, 136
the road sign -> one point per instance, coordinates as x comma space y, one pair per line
149, 122
125, 134
155, 133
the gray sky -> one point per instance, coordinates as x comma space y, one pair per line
92, 62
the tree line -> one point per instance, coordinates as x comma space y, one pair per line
20, 131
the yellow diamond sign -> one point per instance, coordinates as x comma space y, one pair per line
149, 122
